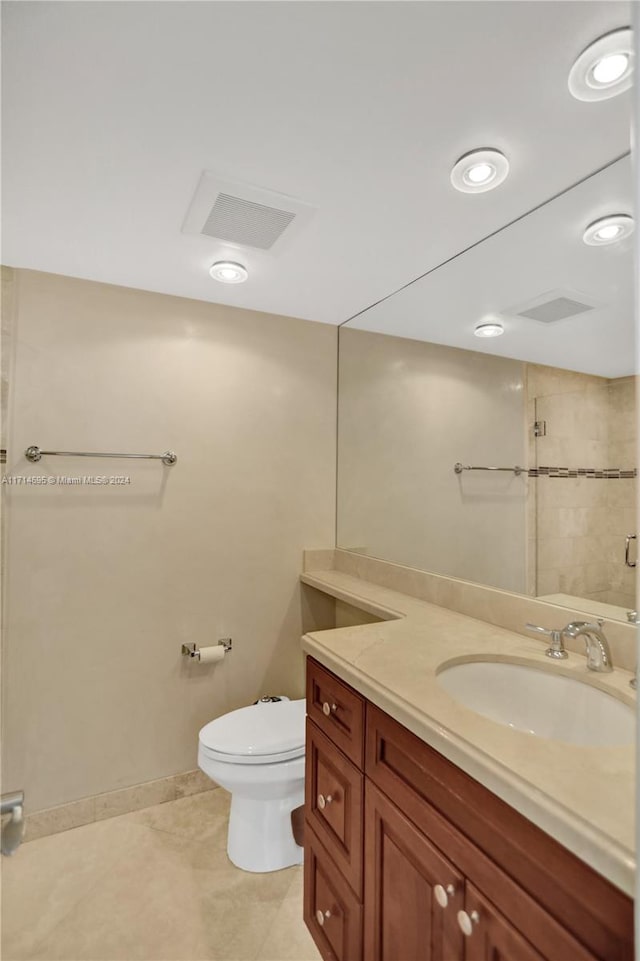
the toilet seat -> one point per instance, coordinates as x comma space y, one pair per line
252, 758
260, 734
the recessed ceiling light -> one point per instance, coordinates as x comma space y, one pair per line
492, 329
479, 170
604, 69
228, 272
608, 230
610, 69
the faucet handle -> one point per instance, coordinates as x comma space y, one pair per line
556, 650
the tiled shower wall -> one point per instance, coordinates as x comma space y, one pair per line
621, 495
581, 523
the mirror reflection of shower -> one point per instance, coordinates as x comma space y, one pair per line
585, 525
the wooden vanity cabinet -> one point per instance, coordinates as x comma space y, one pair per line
413, 860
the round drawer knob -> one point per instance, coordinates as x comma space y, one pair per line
328, 709
443, 894
322, 916
323, 801
467, 921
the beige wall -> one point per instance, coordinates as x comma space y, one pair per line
408, 411
581, 523
106, 583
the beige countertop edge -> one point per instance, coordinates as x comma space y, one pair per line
607, 855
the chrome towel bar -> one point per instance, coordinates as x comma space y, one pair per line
34, 454
458, 468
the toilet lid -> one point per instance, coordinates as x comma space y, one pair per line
260, 730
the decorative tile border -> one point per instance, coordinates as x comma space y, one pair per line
113, 803
613, 473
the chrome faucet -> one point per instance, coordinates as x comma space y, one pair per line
598, 653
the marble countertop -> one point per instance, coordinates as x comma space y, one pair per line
581, 796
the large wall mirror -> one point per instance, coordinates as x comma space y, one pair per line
426, 408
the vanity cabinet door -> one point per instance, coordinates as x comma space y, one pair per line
412, 892
489, 936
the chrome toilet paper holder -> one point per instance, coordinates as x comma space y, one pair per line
192, 650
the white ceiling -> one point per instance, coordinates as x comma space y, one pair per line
111, 112
541, 253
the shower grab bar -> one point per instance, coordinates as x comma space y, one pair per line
34, 454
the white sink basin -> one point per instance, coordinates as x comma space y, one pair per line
541, 703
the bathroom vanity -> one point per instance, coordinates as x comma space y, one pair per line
491, 852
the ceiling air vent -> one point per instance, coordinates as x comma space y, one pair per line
553, 306
244, 222
241, 215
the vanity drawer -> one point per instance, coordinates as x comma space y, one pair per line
334, 792
337, 710
331, 910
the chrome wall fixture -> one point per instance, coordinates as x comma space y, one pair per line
13, 829
458, 468
193, 651
627, 550
34, 454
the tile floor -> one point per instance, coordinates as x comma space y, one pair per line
154, 885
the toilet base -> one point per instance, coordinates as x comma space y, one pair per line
260, 835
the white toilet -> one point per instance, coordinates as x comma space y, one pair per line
257, 753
